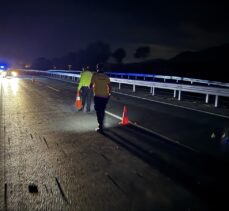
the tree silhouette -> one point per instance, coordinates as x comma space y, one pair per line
119, 55
42, 64
142, 52
97, 52
59, 63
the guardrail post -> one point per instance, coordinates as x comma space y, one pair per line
153, 91
133, 87
174, 93
164, 80
119, 86
207, 98
216, 100
179, 95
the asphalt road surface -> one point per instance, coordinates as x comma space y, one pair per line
170, 158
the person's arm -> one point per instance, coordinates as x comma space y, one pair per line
92, 81
80, 83
91, 75
109, 86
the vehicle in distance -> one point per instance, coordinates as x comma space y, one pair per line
6, 73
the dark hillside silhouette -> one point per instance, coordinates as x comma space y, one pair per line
142, 52
211, 63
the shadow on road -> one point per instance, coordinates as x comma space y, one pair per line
201, 175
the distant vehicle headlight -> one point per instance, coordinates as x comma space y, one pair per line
14, 73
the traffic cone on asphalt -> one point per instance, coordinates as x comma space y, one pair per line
125, 120
78, 102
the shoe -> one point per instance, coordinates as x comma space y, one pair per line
81, 109
99, 130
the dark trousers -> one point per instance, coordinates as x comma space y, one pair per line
100, 106
86, 94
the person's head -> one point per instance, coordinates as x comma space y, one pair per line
99, 67
85, 67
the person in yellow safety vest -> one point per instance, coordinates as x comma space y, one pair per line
84, 88
102, 90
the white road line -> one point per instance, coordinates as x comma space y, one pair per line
170, 104
53, 88
153, 133
114, 115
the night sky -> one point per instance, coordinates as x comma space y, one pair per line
31, 29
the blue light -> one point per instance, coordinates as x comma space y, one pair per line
2, 66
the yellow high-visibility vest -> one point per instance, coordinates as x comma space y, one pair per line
85, 79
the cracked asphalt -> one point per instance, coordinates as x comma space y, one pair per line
45, 143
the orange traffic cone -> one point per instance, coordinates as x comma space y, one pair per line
125, 120
78, 102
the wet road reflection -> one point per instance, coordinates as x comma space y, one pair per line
10, 85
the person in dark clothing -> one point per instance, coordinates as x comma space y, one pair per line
102, 91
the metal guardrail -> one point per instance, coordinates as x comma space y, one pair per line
177, 88
173, 78
153, 77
